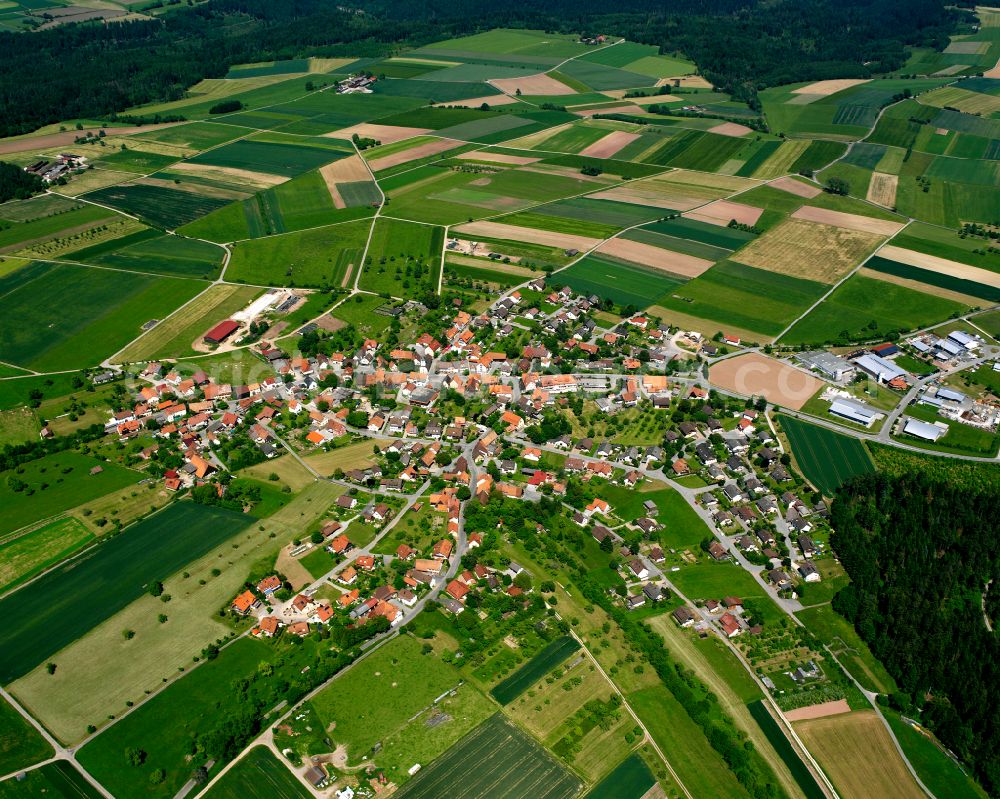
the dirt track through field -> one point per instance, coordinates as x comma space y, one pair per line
540, 84
863, 224
818, 711
941, 265
796, 187
499, 230
721, 212
757, 375
609, 145
647, 255
414, 153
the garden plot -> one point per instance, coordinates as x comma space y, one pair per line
809, 250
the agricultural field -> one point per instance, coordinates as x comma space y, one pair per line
497, 759
149, 250
88, 685
322, 257
177, 334
858, 755
104, 307
76, 598
21, 744
64, 479
258, 775
867, 306
630, 779
30, 553
57, 780
827, 459
622, 283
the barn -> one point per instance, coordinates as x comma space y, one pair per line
221, 332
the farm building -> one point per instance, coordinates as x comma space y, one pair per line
833, 366
855, 411
879, 368
221, 332
924, 430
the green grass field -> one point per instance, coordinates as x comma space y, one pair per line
622, 283
50, 225
258, 775
496, 760
59, 780
531, 672
827, 459
942, 775
151, 251
630, 779
848, 313
271, 157
836, 632
21, 744
28, 555
104, 308
68, 601
322, 257
405, 682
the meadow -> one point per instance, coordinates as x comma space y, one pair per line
163, 727
258, 775
496, 759
65, 603
105, 308
322, 257
48, 226
272, 157
99, 674
827, 459
404, 258
531, 672
54, 484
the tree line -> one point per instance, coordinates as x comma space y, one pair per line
90, 70
924, 571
